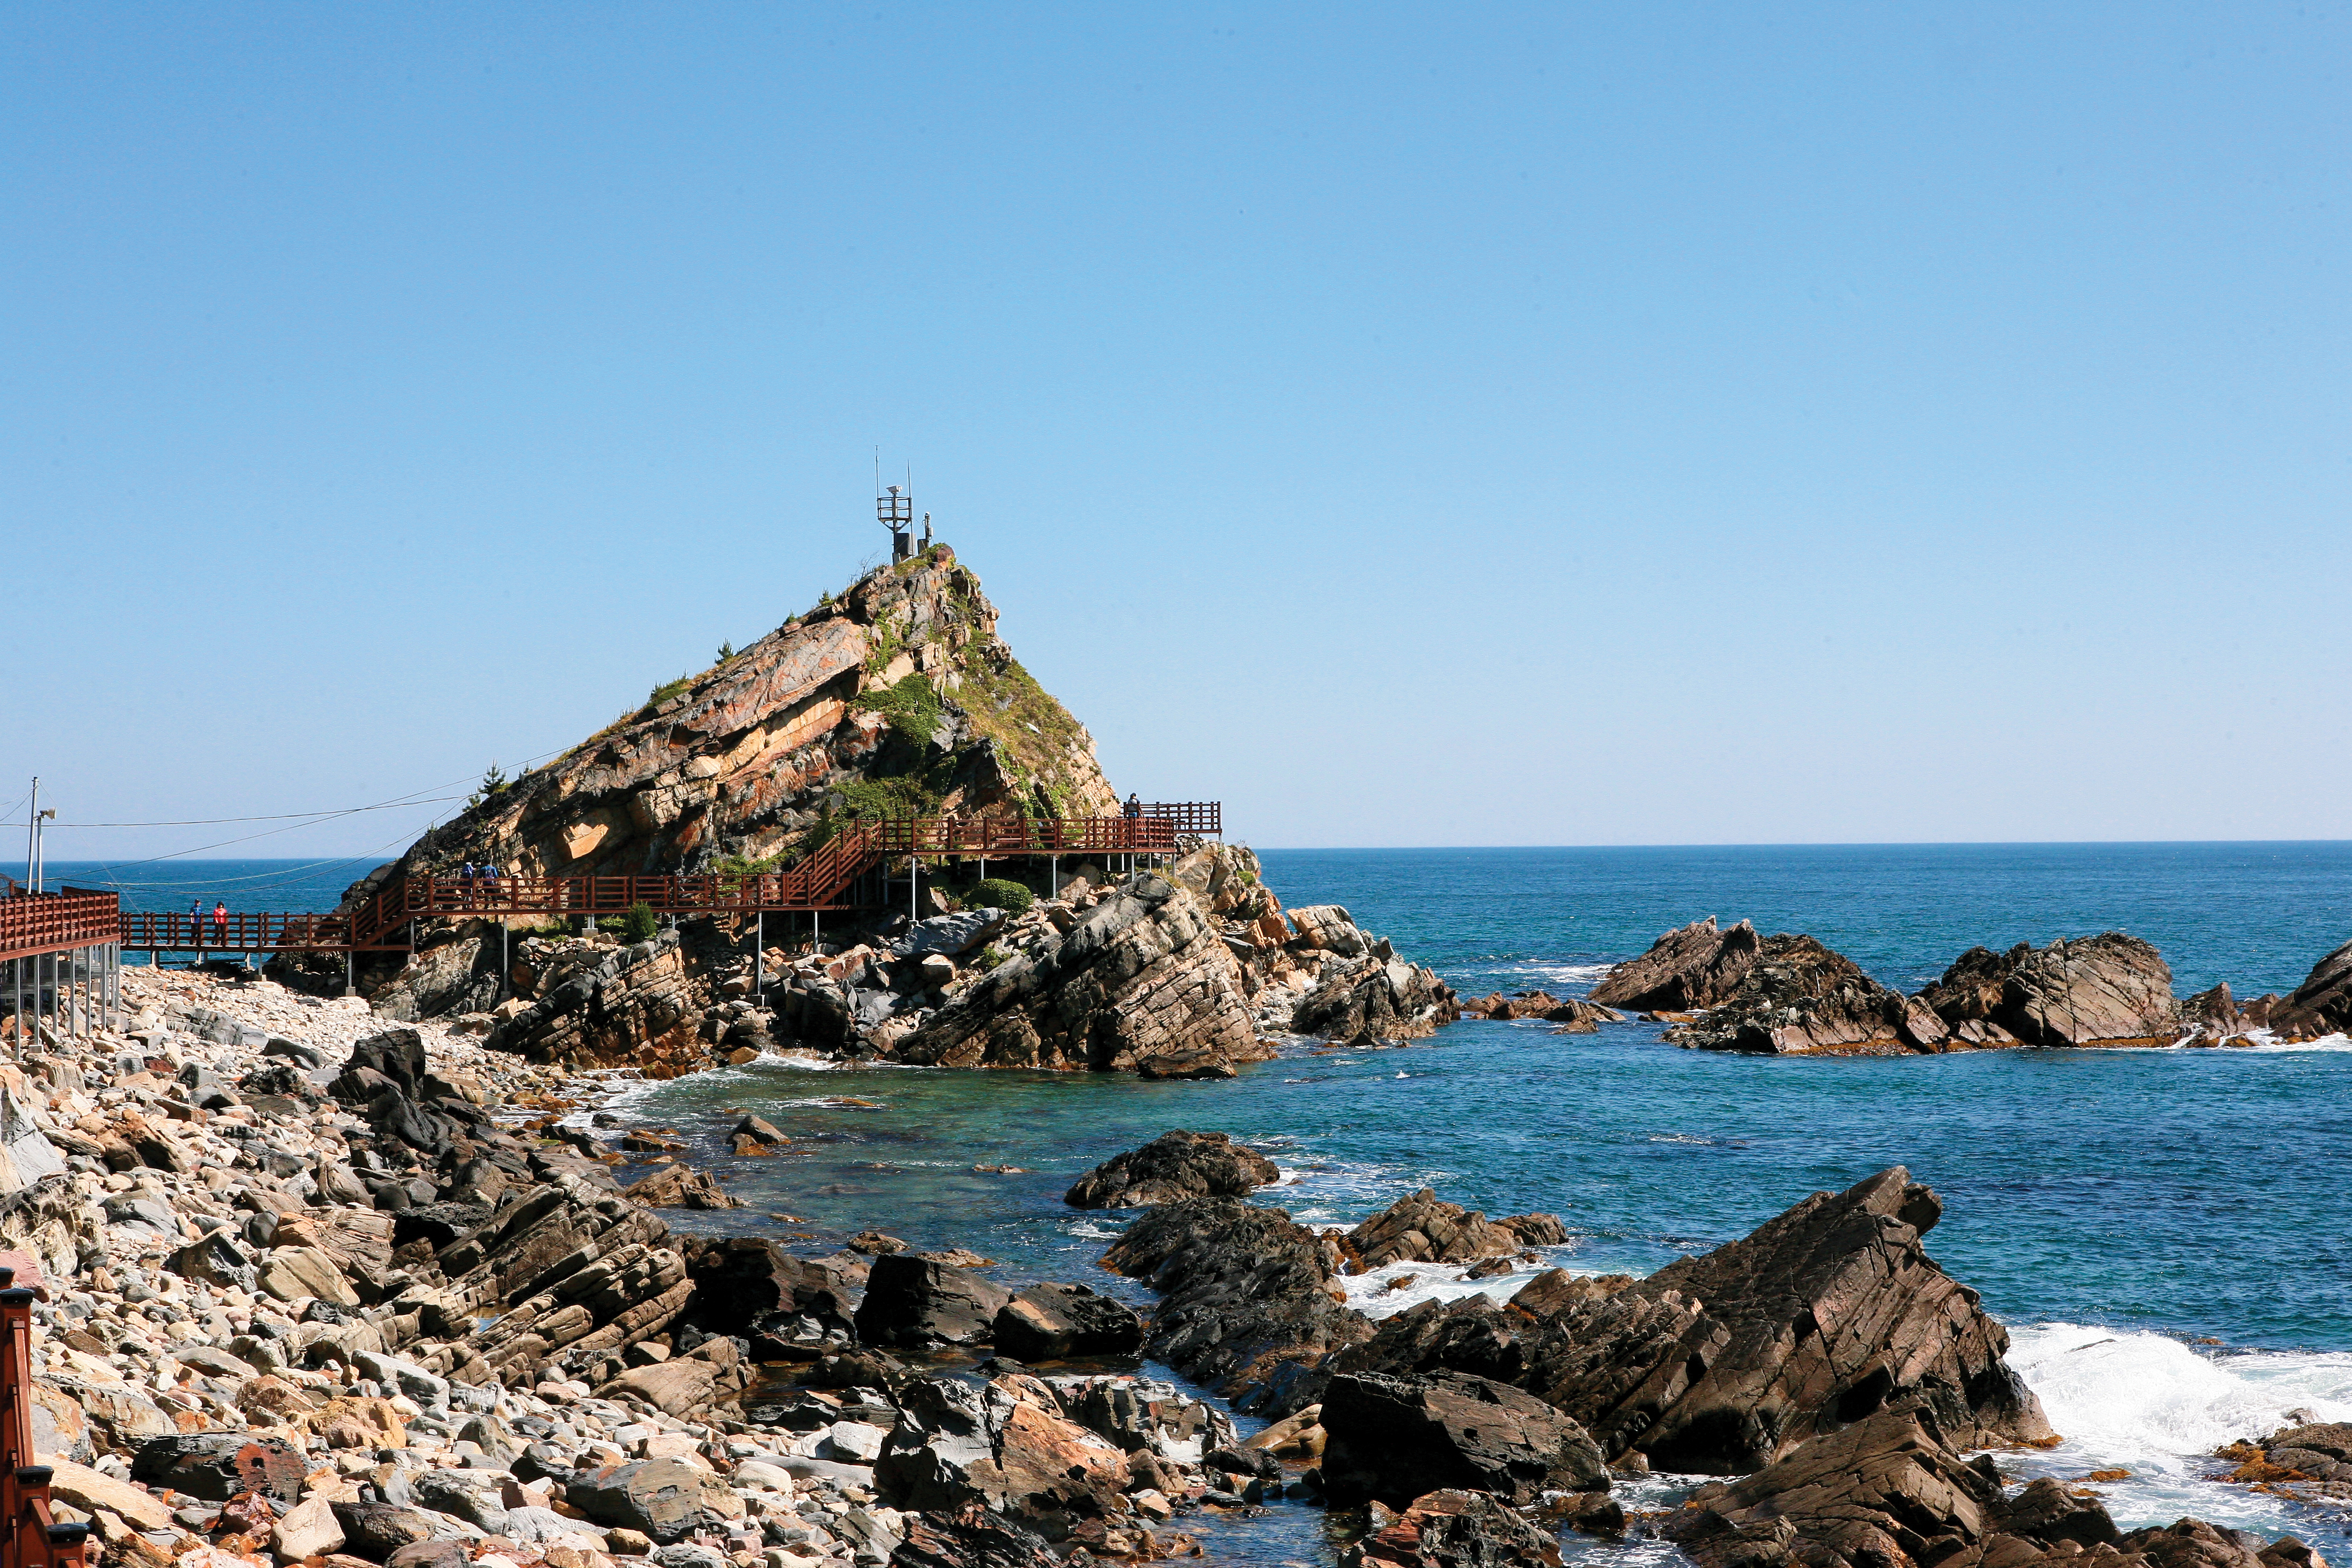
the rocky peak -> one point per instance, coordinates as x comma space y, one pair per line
896, 697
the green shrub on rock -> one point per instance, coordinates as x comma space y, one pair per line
997, 893
640, 924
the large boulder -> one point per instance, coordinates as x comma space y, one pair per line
1687, 968
1048, 1322
217, 1466
1173, 1165
1142, 982
1393, 1439
2110, 989
1249, 1300
2322, 1005
2318, 1451
1724, 1363
912, 1303
668, 1498
1009, 1446
1421, 1227
1801, 999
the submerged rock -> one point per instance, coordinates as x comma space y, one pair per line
1173, 1166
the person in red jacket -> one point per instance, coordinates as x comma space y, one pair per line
220, 925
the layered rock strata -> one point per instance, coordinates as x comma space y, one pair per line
1171, 1167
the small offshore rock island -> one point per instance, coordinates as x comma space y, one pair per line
372, 1281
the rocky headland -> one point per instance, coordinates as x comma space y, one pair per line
897, 698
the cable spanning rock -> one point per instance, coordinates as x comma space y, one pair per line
1171, 1167
1722, 1363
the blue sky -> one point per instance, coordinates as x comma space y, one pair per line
1412, 426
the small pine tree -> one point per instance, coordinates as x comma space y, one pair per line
726, 651
494, 781
640, 924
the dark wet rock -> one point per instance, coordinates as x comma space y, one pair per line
667, 1498
1724, 1363
1799, 998
1421, 1227
2320, 1452
1691, 967
2105, 989
912, 1303
1049, 1322
1455, 1529
375, 1531
796, 1306
1249, 1300
1392, 1439
971, 1537
1173, 1166
2321, 1005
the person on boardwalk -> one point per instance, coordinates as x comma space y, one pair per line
220, 925
1134, 807
196, 921
466, 885
490, 878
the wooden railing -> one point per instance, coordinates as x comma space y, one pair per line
822, 879
32, 923
35, 1538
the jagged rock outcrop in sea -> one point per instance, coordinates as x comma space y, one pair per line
1171, 1167
1685, 969
2110, 989
1801, 999
2321, 1005
1723, 1363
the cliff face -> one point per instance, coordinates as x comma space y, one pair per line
896, 697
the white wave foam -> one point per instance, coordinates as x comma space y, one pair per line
2324, 1043
2147, 1404
1393, 1286
1557, 972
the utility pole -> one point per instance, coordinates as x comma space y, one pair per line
32, 830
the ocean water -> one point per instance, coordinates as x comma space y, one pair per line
2163, 1231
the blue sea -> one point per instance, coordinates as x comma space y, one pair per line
2164, 1231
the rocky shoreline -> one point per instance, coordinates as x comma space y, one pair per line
319, 1291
